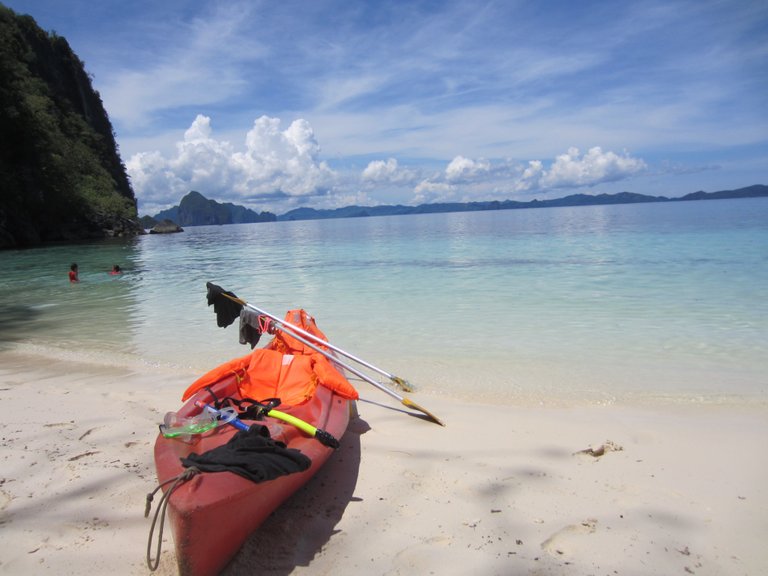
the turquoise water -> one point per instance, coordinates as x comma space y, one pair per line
655, 301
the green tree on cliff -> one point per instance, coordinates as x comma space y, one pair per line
61, 176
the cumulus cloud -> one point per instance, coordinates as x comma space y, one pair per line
427, 192
275, 162
285, 161
202, 160
277, 169
569, 170
530, 176
380, 171
461, 169
387, 172
572, 169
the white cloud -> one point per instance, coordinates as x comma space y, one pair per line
338, 90
277, 169
201, 160
184, 62
376, 85
349, 199
380, 171
153, 182
285, 161
275, 162
530, 177
483, 180
462, 168
571, 169
387, 172
427, 192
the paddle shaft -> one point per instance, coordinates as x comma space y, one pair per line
301, 335
300, 331
294, 330
332, 358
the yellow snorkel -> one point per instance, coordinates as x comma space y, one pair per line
321, 435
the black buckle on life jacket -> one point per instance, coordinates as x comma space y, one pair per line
248, 408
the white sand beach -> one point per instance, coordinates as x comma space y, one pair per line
667, 489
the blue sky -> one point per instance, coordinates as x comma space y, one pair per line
327, 103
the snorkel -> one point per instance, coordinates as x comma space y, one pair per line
320, 435
210, 417
223, 415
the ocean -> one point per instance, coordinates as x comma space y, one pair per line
662, 302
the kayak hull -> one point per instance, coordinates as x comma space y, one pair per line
212, 514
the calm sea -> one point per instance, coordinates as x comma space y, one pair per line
600, 304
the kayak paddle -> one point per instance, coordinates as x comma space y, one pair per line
227, 316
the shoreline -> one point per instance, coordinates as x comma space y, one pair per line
531, 384
679, 488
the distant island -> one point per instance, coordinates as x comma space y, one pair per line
755, 191
196, 210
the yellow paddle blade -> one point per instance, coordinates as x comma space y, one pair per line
401, 383
412, 404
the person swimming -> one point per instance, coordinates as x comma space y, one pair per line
73, 277
116, 270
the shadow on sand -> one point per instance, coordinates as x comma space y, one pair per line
298, 530
15, 319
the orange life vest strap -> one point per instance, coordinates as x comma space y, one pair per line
238, 366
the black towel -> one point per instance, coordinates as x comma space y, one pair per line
250, 329
251, 454
226, 310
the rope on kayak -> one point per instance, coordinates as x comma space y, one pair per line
160, 511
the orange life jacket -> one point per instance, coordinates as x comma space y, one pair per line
286, 369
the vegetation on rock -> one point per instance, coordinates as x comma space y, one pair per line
61, 176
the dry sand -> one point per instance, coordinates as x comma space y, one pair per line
500, 490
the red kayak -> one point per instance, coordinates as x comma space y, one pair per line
212, 513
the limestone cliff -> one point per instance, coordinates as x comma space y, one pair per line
61, 176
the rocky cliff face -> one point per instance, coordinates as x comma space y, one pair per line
197, 210
61, 176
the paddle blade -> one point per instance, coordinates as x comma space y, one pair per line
412, 404
401, 383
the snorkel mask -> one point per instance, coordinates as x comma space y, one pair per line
175, 426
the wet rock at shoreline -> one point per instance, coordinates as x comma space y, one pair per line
166, 227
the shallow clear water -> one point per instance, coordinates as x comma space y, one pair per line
594, 303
